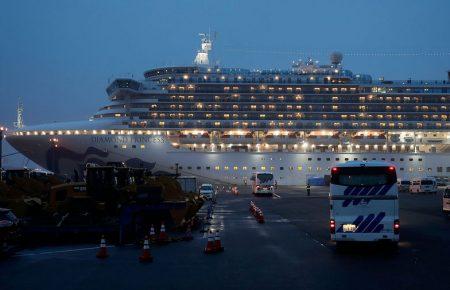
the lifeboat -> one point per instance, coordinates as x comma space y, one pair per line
323, 139
433, 138
369, 139
200, 138
395, 138
236, 138
290, 138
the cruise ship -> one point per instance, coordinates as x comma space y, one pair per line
225, 123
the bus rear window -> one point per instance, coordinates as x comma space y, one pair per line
364, 176
265, 177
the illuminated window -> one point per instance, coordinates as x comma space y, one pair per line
124, 146
244, 167
263, 168
142, 146
235, 168
272, 168
217, 168
226, 168
299, 168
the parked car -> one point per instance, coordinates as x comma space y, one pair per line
10, 233
207, 190
403, 185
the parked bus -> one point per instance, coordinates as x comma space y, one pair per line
364, 202
446, 200
423, 185
263, 183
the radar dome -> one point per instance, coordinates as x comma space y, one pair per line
336, 58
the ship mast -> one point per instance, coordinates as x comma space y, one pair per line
19, 123
202, 57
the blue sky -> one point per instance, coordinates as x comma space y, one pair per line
58, 55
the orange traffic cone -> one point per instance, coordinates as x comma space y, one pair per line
260, 217
102, 252
255, 211
210, 245
152, 234
163, 238
218, 243
146, 256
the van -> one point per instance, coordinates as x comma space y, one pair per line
423, 185
403, 185
364, 202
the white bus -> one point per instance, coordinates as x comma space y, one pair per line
423, 185
446, 200
263, 183
364, 202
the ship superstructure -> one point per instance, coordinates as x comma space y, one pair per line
225, 123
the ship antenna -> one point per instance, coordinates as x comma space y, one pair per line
19, 123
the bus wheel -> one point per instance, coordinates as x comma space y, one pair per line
394, 245
339, 246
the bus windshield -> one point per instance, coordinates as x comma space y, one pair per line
363, 176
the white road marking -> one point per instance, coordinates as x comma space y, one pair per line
276, 195
60, 251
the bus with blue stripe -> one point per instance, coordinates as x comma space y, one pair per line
364, 202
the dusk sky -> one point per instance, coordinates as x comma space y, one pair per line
59, 55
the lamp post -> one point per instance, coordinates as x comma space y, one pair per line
1, 151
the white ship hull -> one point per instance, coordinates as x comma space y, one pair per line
72, 152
